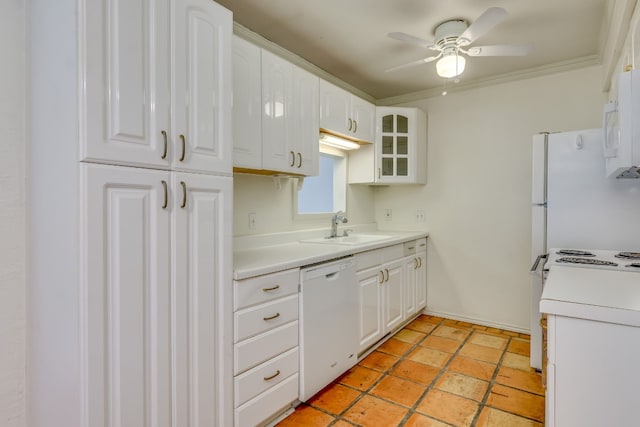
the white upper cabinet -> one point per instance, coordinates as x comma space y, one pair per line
399, 155
305, 122
275, 113
247, 101
127, 70
277, 110
202, 87
157, 85
345, 114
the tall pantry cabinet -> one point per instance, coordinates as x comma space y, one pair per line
130, 198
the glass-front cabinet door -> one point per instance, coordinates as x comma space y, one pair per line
401, 148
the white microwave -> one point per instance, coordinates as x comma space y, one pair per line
621, 129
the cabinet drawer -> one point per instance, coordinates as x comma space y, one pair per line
262, 377
268, 404
264, 288
391, 253
255, 320
409, 248
369, 259
421, 244
254, 351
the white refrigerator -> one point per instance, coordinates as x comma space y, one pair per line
575, 206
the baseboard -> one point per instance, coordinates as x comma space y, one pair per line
478, 321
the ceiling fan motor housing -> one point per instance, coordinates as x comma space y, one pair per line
448, 32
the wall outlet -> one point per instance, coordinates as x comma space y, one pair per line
387, 214
252, 221
419, 215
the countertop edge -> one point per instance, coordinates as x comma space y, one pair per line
297, 254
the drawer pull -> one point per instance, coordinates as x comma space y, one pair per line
273, 288
272, 376
411, 248
275, 316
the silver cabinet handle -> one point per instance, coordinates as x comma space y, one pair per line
275, 316
164, 151
420, 264
355, 126
293, 158
382, 277
416, 263
184, 147
299, 160
166, 194
387, 279
272, 376
273, 288
184, 194
350, 123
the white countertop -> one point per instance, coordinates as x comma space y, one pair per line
264, 259
587, 293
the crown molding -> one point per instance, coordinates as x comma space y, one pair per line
558, 67
264, 43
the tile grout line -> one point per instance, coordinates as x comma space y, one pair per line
442, 371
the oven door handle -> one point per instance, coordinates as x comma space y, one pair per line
534, 268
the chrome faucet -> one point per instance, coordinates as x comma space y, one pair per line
338, 217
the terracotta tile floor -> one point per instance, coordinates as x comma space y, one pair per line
434, 373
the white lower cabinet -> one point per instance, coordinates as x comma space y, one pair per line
380, 277
392, 283
154, 307
415, 276
265, 346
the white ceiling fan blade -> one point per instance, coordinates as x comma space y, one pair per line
404, 37
500, 50
489, 19
414, 63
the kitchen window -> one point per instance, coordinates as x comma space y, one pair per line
322, 195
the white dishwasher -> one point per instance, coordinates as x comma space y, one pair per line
328, 323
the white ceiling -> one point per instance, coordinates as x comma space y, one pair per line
348, 38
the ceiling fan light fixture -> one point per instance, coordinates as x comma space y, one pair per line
450, 65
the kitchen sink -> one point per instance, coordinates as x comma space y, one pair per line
354, 239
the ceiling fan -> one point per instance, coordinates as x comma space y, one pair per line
453, 37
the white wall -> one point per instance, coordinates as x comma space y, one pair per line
12, 214
477, 197
274, 207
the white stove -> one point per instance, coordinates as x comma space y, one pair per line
594, 258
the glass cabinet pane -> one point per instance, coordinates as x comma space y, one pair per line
403, 167
403, 145
387, 145
387, 166
403, 124
387, 123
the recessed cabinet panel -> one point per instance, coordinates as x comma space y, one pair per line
201, 134
126, 314
200, 204
247, 113
127, 79
403, 124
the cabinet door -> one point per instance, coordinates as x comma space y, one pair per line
247, 99
202, 87
126, 70
394, 155
201, 299
305, 122
363, 114
409, 294
421, 281
371, 327
277, 99
393, 294
125, 315
335, 109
